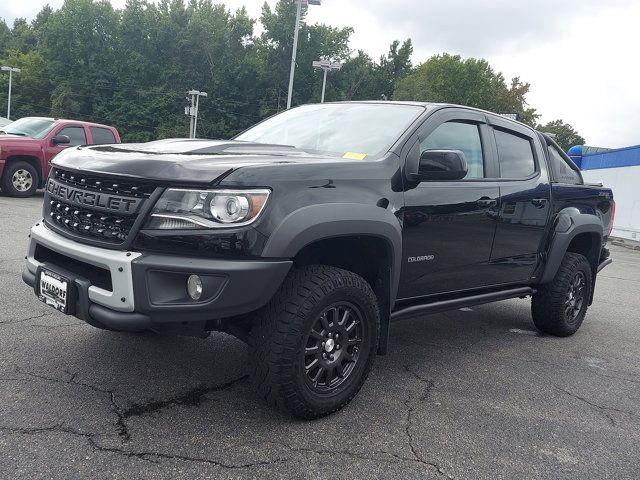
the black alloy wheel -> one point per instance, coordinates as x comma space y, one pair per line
575, 297
333, 346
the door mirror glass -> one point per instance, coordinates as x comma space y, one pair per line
61, 140
442, 165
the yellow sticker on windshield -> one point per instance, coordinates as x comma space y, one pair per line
354, 156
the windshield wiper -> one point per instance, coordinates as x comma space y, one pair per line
14, 133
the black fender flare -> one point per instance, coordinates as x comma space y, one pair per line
571, 222
318, 222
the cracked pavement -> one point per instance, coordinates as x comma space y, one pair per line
468, 394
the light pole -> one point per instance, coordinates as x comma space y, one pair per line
192, 110
327, 66
295, 45
10, 70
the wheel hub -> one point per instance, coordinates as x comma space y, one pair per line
329, 345
22, 180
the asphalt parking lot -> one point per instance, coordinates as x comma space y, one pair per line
473, 393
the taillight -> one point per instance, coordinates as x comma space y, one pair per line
612, 217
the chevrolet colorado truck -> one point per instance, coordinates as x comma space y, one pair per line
28, 145
309, 233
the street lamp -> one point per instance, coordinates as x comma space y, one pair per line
10, 70
327, 66
192, 110
295, 45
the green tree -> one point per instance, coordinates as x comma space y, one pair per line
564, 134
394, 66
78, 45
5, 37
30, 89
472, 82
357, 80
23, 37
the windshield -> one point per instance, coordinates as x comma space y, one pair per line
29, 127
350, 130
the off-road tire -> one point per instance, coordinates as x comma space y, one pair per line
8, 187
283, 328
549, 304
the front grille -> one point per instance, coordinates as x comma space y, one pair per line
104, 184
92, 222
89, 223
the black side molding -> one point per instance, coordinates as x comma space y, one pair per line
444, 305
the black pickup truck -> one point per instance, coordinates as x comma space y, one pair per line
309, 233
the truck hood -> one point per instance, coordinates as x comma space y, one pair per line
8, 140
181, 160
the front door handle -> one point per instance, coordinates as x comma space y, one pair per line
486, 202
539, 202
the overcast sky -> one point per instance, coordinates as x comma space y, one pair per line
580, 56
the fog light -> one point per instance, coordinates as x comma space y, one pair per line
194, 287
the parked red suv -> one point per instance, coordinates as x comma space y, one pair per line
27, 146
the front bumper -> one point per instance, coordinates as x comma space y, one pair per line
136, 291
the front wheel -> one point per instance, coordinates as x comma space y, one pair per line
559, 307
313, 345
20, 179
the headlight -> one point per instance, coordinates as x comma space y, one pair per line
196, 209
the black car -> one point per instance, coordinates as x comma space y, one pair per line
308, 234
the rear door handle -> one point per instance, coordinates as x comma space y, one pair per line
486, 202
539, 202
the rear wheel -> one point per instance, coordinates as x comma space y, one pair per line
20, 179
313, 345
559, 307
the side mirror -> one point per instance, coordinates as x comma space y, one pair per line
61, 140
442, 165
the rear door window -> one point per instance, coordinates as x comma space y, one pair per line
102, 135
515, 155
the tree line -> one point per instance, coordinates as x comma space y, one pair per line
132, 67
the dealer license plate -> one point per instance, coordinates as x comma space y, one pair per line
53, 290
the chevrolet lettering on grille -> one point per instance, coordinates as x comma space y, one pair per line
97, 200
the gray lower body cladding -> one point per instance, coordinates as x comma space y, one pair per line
135, 291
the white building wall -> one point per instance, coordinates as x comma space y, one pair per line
625, 183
